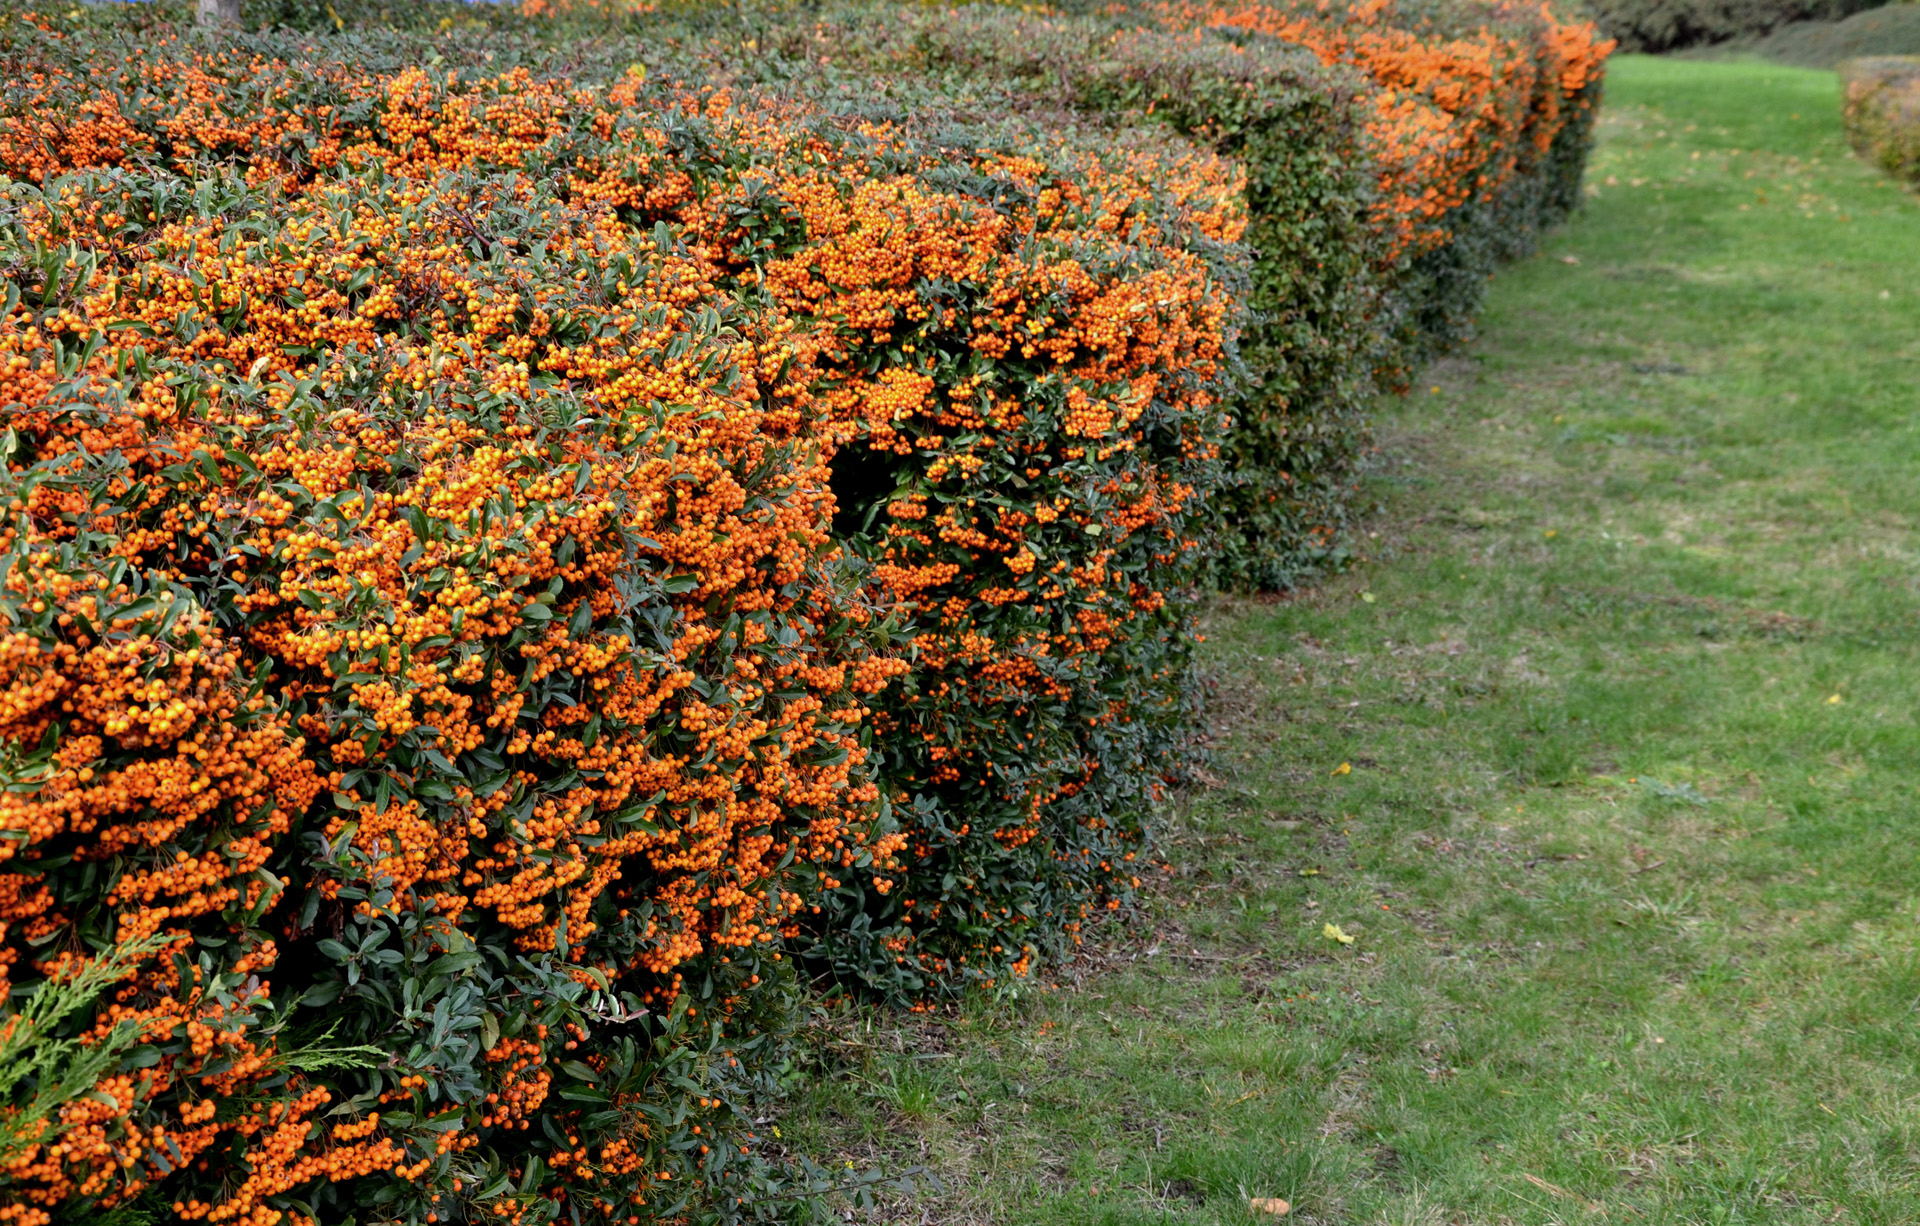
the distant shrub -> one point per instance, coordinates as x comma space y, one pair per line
1892, 30
1882, 112
1666, 25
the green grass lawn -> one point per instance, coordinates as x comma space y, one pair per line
1629, 849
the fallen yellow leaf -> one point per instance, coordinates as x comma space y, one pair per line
1333, 933
1269, 1204
1367, 596
1345, 768
1834, 699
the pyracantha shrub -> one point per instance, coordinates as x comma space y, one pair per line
1030, 351
1025, 345
498, 561
440, 465
1318, 318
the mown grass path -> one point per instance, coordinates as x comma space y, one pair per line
1629, 849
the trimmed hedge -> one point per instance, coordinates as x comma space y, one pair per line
1478, 119
505, 558
1320, 316
437, 464
1029, 346
422, 619
1882, 112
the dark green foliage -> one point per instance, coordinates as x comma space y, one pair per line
1319, 303
340, 16
1892, 30
1666, 25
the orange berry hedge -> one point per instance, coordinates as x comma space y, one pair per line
1478, 116
1028, 355
420, 614
523, 550
430, 680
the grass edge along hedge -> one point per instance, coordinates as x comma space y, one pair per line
1115, 623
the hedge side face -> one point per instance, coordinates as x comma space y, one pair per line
1319, 318
427, 671
1027, 348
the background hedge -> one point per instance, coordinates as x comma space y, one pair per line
1890, 30
1882, 112
1667, 25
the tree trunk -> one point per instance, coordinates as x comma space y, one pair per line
219, 12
